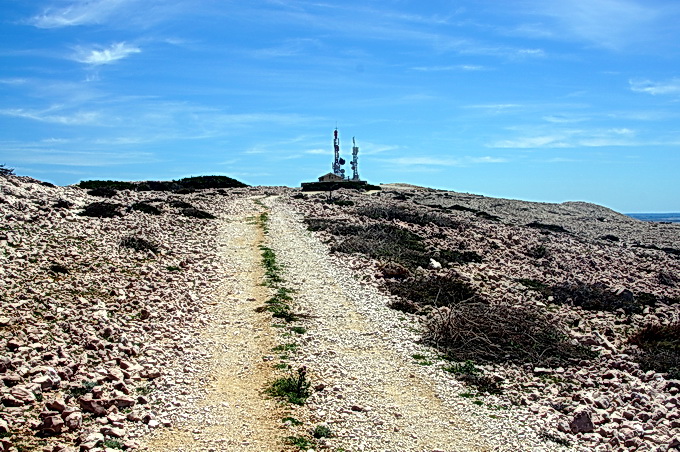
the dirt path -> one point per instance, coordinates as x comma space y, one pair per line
371, 392
375, 396
233, 414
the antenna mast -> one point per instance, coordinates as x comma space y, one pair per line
355, 160
337, 162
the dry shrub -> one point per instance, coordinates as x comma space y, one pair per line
659, 348
197, 213
139, 244
501, 333
430, 290
102, 210
385, 242
390, 213
597, 297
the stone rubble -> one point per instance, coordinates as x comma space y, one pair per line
100, 344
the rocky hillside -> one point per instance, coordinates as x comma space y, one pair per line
571, 311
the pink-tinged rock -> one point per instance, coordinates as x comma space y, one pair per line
582, 423
114, 432
674, 443
10, 401
23, 394
632, 443
74, 421
150, 373
95, 406
52, 425
629, 415
123, 401
56, 405
4, 428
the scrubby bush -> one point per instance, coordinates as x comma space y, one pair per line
597, 297
145, 208
387, 243
546, 227
102, 210
420, 218
139, 244
112, 184
459, 257
501, 333
4, 171
103, 192
293, 388
659, 348
430, 290
197, 213
180, 204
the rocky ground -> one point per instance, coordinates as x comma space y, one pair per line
103, 323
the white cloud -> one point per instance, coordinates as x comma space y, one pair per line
606, 23
546, 141
78, 118
453, 68
83, 12
446, 161
647, 86
115, 52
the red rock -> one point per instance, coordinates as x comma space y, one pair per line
582, 423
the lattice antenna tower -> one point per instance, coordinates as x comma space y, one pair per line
355, 160
338, 161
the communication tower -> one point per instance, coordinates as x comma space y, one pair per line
355, 160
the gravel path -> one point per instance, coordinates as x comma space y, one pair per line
375, 395
231, 413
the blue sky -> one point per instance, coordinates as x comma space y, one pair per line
529, 99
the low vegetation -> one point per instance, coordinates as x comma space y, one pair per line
391, 213
294, 388
500, 333
102, 210
139, 244
186, 185
429, 290
659, 348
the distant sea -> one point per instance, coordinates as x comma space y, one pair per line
657, 217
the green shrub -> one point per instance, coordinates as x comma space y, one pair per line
322, 431
4, 171
294, 388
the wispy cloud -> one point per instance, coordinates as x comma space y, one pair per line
574, 138
452, 68
100, 56
613, 24
443, 161
83, 12
647, 86
77, 118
